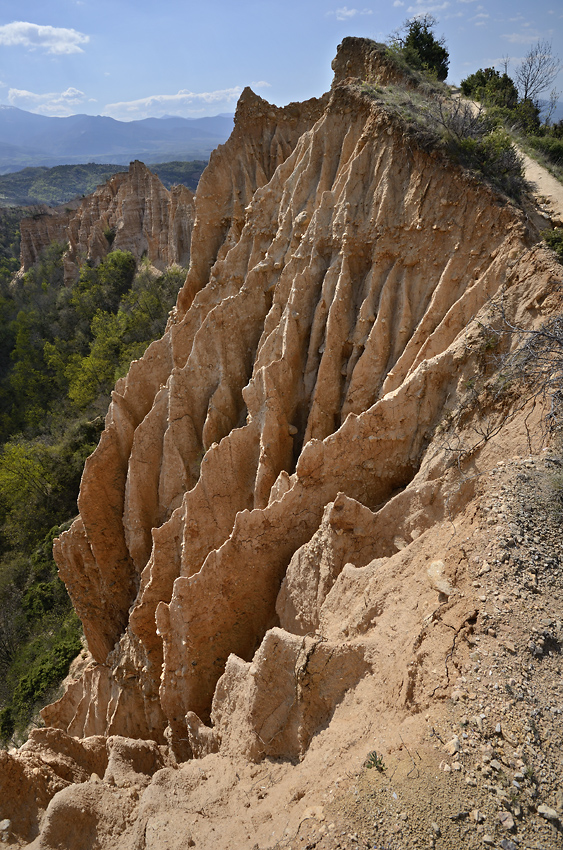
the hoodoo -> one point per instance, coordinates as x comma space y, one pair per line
131, 212
277, 553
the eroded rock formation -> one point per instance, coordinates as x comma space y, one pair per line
256, 526
312, 351
133, 211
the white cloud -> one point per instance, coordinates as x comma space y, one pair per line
261, 84
57, 104
184, 103
520, 37
398, 3
423, 8
57, 40
344, 14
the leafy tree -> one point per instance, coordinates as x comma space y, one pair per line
61, 349
491, 88
420, 47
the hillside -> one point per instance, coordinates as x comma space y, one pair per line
31, 140
64, 183
317, 558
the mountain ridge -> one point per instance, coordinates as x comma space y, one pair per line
28, 139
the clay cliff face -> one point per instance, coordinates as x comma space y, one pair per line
311, 354
255, 531
137, 212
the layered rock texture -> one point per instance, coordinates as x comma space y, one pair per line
267, 529
131, 212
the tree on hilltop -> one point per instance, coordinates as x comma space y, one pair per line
420, 47
537, 71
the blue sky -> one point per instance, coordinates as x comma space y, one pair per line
138, 59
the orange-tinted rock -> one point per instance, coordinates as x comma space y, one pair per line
278, 433
133, 211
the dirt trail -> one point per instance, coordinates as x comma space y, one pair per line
546, 188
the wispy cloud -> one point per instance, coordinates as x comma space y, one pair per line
261, 84
183, 104
344, 14
58, 40
423, 8
398, 3
521, 37
57, 104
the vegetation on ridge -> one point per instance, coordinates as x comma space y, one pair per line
416, 45
514, 104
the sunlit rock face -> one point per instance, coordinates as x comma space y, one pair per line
133, 211
273, 452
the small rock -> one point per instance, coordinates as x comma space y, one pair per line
496, 765
506, 819
453, 746
488, 839
438, 579
477, 816
436, 829
547, 812
478, 721
507, 844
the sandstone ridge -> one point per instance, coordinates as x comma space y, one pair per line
131, 212
269, 547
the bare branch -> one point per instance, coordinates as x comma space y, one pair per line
537, 71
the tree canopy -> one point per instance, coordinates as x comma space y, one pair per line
420, 47
62, 347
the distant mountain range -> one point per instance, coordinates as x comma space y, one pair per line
27, 139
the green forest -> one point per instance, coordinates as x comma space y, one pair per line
61, 350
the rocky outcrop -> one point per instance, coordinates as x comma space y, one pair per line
312, 351
133, 211
369, 61
266, 526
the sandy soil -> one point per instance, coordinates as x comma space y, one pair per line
548, 190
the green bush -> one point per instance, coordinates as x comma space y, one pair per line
489, 87
551, 146
420, 48
554, 238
